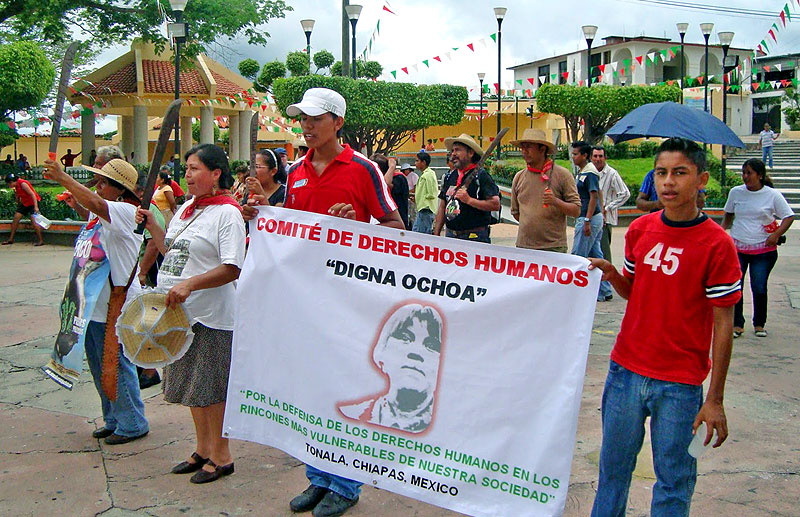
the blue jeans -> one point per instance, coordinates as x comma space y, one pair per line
760, 267
424, 221
590, 246
766, 151
628, 399
344, 487
124, 416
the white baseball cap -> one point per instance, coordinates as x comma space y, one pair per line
317, 101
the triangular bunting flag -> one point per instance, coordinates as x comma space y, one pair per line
531, 80
494, 37
447, 55
766, 68
482, 41
565, 75
519, 82
496, 87
425, 62
415, 67
542, 79
437, 58
779, 67
783, 16
756, 86
405, 69
471, 47
788, 14
773, 35
639, 59
389, 10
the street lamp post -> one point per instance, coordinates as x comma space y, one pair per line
589, 32
353, 12
499, 13
178, 32
308, 26
706, 28
481, 75
682, 28
725, 39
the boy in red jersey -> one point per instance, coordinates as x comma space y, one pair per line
681, 279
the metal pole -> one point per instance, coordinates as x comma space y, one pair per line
480, 117
516, 116
176, 169
308, 46
705, 77
499, 82
589, 64
345, 39
683, 66
724, 160
353, 24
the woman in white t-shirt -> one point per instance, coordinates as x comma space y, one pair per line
110, 212
203, 253
757, 216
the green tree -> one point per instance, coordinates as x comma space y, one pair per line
26, 77
371, 70
114, 21
196, 132
380, 114
599, 107
271, 71
249, 68
323, 59
336, 69
298, 63
792, 111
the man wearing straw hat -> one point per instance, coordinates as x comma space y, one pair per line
542, 196
466, 211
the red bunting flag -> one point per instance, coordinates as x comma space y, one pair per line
437, 58
531, 80
497, 86
639, 59
441, 139
773, 35
766, 67
389, 10
413, 137
756, 86
471, 47
565, 75
700, 79
783, 18
405, 69
602, 69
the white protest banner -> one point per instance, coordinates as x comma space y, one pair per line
447, 371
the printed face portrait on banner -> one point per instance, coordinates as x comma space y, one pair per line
408, 351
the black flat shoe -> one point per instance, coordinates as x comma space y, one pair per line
102, 433
308, 499
147, 381
186, 467
333, 505
118, 439
203, 476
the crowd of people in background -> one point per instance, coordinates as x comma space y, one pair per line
195, 243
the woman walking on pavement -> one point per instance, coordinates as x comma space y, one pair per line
753, 212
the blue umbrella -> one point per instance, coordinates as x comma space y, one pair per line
670, 119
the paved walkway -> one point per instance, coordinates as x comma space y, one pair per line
51, 465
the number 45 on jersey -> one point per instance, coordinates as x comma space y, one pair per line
668, 263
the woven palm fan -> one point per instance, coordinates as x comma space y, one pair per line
151, 334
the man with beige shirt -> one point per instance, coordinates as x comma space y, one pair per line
542, 196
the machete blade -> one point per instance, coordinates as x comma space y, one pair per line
63, 85
167, 125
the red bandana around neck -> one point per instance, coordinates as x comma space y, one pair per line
544, 170
461, 173
223, 197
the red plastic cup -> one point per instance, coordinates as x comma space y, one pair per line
52, 156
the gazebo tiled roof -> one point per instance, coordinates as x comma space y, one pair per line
159, 77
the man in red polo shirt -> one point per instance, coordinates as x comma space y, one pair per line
332, 179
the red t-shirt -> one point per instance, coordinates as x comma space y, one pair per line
25, 198
349, 178
176, 188
680, 271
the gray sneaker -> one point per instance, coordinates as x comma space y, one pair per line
333, 505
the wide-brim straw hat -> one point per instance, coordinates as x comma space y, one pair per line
534, 136
151, 334
463, 139
120, 171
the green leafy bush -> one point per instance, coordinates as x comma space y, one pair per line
49, 206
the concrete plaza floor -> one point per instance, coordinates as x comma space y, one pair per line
51, 465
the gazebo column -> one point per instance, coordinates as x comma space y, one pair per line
140, 135
186, 135
233, 136
206, 124
126, 138
87, 135
244, 134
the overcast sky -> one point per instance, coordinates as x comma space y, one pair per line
533, 29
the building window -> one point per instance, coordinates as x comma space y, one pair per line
562, 69
606, 57
544, 74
